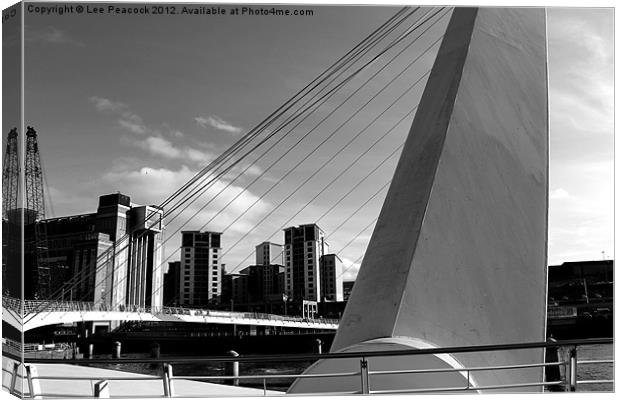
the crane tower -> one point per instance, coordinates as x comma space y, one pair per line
35, 244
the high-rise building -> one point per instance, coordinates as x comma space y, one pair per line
304, 245
331, 278
347, 288
172, 284
269, 253
201, 274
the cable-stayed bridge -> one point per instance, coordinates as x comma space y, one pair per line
458, 253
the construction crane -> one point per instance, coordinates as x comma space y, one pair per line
11, 274
37, 271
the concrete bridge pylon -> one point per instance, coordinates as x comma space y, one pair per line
458, 255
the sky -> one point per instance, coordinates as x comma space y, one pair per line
139, 104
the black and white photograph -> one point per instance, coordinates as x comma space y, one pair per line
258, 200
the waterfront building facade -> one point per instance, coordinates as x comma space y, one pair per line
201, 274
172, 284
269, 253
111, 257
347, 288
303, 245
331, 278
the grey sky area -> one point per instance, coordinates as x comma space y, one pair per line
139, 104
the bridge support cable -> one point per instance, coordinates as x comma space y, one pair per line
347, 63
408, 90
410, 31
309, 110
199, 191
349, 119
285, 107
390, 60
389, 25
394, 152
261, 127
333, 111
323, 142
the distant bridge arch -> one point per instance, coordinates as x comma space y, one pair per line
43, 313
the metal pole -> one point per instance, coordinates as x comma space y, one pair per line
33, 382
168, 384
14, 378
232, 368
573, 369
364, 376
102, 390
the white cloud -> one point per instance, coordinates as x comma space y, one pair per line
127, 119
132, 125
218, 123
159, 146
148, 185
106, 105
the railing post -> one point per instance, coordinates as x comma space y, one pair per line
232, 368
573, 369
364, 376
34, 386
168, 381
101, 390
14, 378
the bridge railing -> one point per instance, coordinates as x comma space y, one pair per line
35, 306
169, 381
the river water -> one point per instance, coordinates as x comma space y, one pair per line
584, 371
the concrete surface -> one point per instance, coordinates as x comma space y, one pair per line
151, 388
458, 255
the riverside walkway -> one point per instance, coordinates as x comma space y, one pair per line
79, 381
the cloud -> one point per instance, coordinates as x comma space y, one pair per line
106, 105
50, 35
148, 185
126, 118
217, 123
132, 123
159, 146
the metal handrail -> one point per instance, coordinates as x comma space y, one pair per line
569, 381
28, 306
314, 357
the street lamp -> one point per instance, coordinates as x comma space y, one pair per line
285, 300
